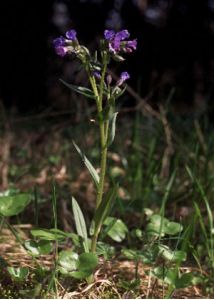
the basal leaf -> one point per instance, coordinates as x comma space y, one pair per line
38, 248
18, 274
68, 260
87, 262
13, 205
49, 234
117, 230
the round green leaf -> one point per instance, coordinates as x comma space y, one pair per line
185, 280
171, 255
13, 205
68, 260
172, 228
165, 274
156, 225
87, 262
117, 229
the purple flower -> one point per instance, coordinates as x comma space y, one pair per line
117, 42
61, 51
60, 41
132, 44
71, 34
122, 35
123, 77
109, 34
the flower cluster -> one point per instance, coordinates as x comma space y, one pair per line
117, 42
66, 45
114, 42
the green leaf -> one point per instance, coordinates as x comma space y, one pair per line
68, 260
77, 266
172, 228
106, 250
89, 166
38, 248
80, 274
13, 205
185, 280
79, 89
49, 234
166, 275
104, 208
80, 223
117, 230
112, 124
130, 285
87, 262
130, 253
18, 274
159, 225
117, 92
153, 227
170, 255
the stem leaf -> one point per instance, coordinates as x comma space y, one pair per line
80, 223
89, 166
104, 208
112, 122
79, 89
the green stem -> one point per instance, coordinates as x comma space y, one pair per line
104, 128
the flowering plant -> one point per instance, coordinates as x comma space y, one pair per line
112, 46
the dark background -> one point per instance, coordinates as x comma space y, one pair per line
175, 47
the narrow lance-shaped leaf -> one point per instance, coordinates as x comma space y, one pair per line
80, 223
89, 166
79, 89
104, 208
112, 128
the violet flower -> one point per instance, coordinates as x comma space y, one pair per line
123, 77
61, 51
63, 45
109, 34
71, 34
117, 42
60, 41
